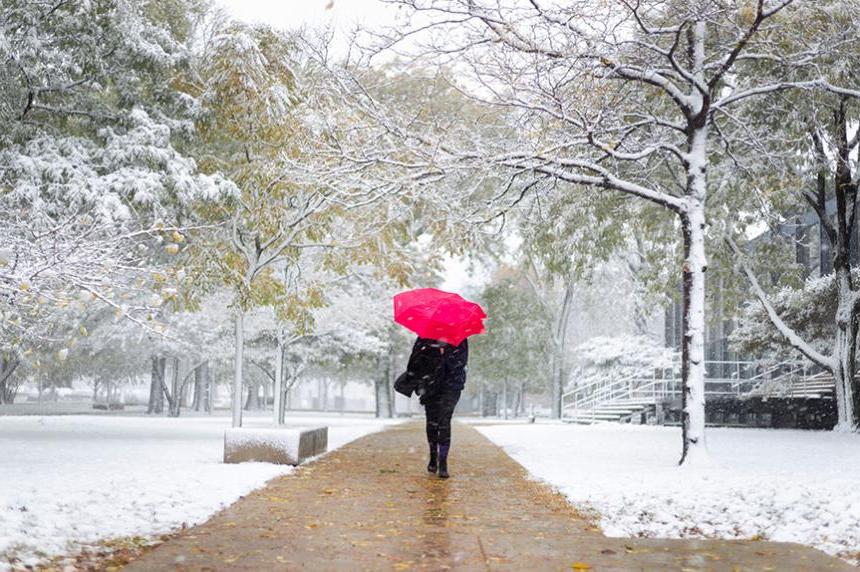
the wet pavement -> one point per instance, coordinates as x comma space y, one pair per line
372, 506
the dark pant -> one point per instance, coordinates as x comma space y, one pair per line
439, 410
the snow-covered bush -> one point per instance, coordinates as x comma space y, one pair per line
622, 356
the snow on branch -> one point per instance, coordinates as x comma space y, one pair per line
790, 335
635, 10
820, 83
603, 178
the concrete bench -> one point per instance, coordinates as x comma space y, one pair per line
279, 446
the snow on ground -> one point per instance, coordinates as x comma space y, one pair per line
71, 480
783, 485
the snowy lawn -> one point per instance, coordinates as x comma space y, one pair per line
796, 486
71, 480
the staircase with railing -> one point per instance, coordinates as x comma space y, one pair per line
611, 397
800, 384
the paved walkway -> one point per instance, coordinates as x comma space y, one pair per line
372, 506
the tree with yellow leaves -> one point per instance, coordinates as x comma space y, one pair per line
256, 126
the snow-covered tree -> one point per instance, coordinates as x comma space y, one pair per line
814, 147
90, 173
260, 128
808, 310
611, 97
512, 355
567, 242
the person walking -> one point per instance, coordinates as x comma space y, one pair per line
439, 371
437, 366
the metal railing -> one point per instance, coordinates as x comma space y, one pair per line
607, 395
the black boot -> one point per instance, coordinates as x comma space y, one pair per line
432, 465
443, 461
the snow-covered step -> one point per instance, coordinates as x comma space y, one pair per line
594, 413
584, 421
811, 395
620, 409
602, 414
637, 404
816, 387
588, 416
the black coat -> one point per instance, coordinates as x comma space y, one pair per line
455, 361
434, 367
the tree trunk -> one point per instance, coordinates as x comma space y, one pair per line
187, 389
237, 366
209, 393
205, 400
517, 398
693, 346
491, 400
199, 387
174, 398
695, 262
381, 386
285, 395
278, 389
845, 354
156, 391
390, 378
522, 399
825, 261
559, 373
845, 350
8, 364
252, 403
505, 399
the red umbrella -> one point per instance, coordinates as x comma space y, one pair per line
438, 315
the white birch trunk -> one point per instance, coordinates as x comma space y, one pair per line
237, 368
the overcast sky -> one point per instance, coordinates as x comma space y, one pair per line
291, 14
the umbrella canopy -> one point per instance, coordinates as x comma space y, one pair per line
438, 315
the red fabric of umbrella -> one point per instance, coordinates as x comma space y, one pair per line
438, 315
